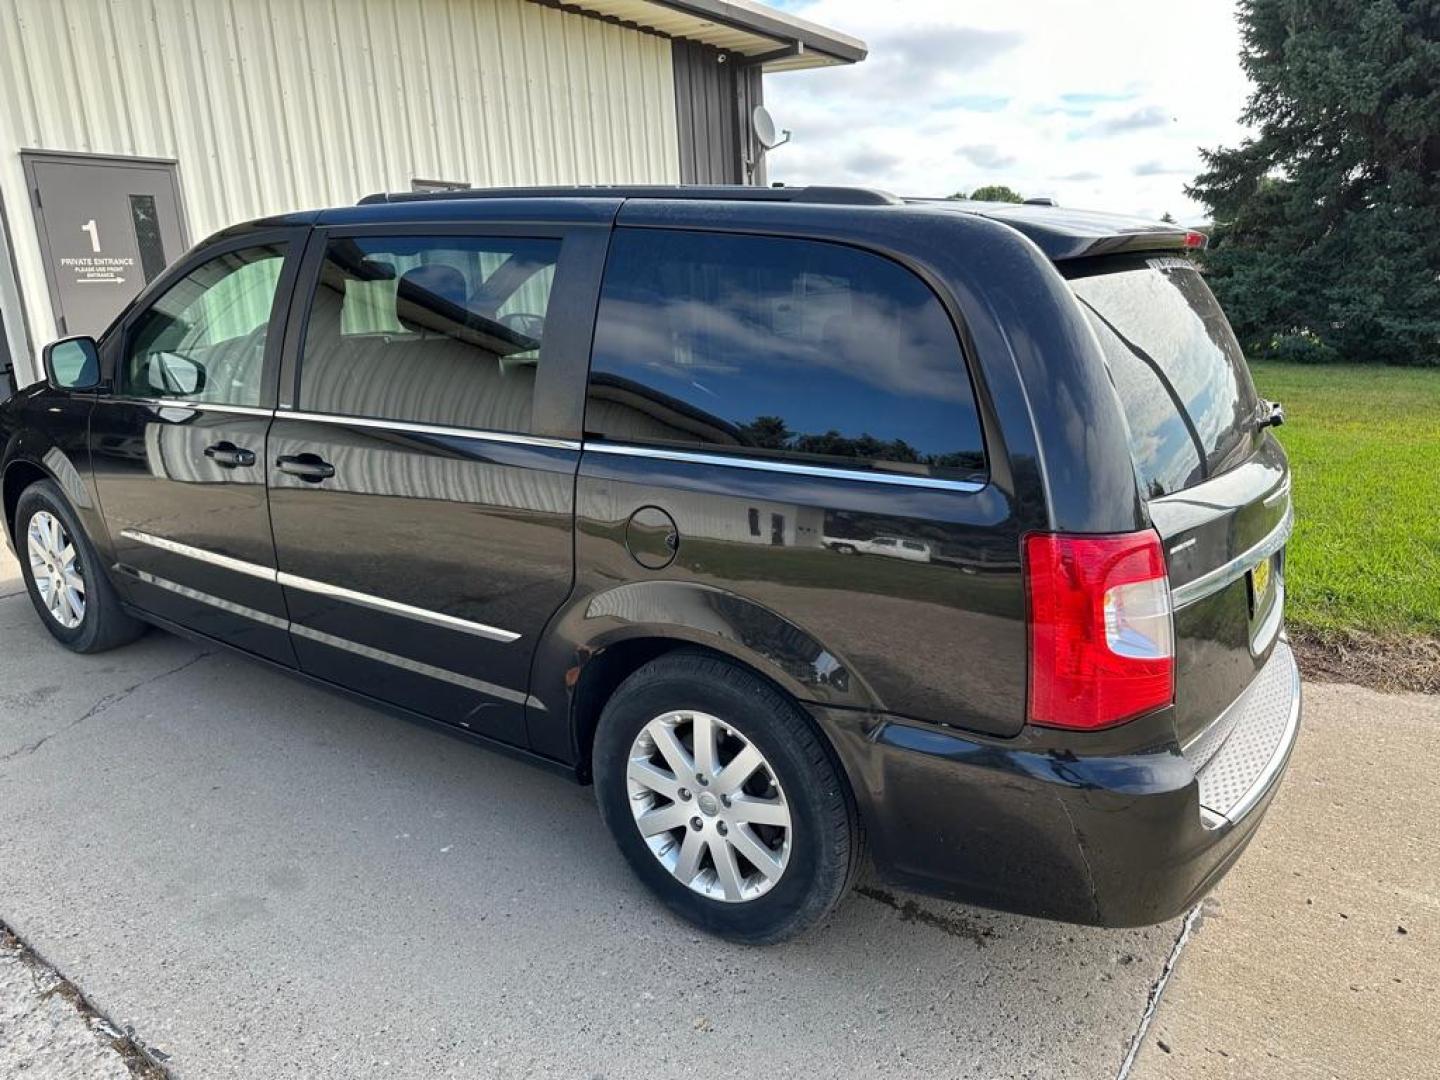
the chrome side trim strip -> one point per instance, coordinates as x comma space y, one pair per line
394, 607
238, 410
429, 429
240, 566
429, 670
791, 467
323, 638
294, 581
1236, 568
213, 601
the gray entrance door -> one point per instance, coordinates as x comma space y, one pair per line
107, 226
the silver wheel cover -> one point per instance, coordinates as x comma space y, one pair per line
709, 806
55, 566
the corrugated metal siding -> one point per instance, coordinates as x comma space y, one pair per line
714, 98
274, 105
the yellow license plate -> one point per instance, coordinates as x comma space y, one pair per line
1260, 576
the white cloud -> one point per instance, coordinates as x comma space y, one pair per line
1100, 106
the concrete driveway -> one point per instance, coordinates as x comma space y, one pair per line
266, 880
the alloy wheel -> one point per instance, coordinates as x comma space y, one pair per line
55, 566
709, 806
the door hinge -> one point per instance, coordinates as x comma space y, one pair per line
36, 193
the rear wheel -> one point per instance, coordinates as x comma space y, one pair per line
63, 575
724, 799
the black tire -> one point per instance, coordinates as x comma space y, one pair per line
827, 843
846, 549
104, 625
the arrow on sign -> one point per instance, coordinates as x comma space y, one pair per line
101, 281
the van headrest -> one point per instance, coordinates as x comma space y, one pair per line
424, 293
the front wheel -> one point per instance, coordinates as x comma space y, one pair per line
724, 799
63, 575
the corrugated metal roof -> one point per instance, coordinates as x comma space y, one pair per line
752, 30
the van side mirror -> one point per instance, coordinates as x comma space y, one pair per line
72, 363
173, 375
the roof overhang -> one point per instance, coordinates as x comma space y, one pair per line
774, 40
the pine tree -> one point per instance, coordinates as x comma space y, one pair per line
1327, 222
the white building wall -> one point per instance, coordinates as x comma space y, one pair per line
276, 105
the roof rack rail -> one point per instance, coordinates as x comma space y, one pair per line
848, 196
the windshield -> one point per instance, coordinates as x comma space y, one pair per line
1176, 365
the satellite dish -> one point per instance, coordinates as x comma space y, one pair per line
764, 126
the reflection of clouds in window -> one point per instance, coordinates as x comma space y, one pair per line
743, 341
899, 351
1168, 314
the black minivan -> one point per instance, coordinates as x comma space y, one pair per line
814, 526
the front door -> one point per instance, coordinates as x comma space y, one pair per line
178, 444
421, 503
108, 227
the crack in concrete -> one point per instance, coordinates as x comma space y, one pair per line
143, 1062
954, 925
1152, 1001
107, 702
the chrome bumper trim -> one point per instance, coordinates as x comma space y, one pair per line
1257, 785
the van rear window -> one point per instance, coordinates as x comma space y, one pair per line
1176, 365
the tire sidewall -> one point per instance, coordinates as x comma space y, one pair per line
45, 496
814, 874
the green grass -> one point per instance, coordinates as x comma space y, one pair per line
1364, 446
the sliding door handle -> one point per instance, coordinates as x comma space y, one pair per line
311, 468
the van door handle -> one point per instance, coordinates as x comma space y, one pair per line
229, 456
311, 468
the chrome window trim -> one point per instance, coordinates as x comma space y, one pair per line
178, 403
790, 467
395, 607
428, 429
294, 581
240, 566
1232, 571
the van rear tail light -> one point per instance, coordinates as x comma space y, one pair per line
1102, 647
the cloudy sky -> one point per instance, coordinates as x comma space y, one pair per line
1101, 105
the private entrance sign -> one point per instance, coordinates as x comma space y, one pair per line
107, 226
97, 269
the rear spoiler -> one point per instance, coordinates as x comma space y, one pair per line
1064, 244
1063, 233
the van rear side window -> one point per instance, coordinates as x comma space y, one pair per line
1179, 371
770, 347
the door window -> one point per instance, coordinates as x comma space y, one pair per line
771, 347
204, 339
443, 330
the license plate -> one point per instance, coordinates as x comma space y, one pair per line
1260, 582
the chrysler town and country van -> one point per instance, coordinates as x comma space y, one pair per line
817, 528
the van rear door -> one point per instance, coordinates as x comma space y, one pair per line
1216, 481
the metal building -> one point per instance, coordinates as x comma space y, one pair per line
131, 128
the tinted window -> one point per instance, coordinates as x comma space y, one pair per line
431, 330
204, 339
765, 346
1179, 371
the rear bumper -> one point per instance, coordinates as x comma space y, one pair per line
1108, 838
